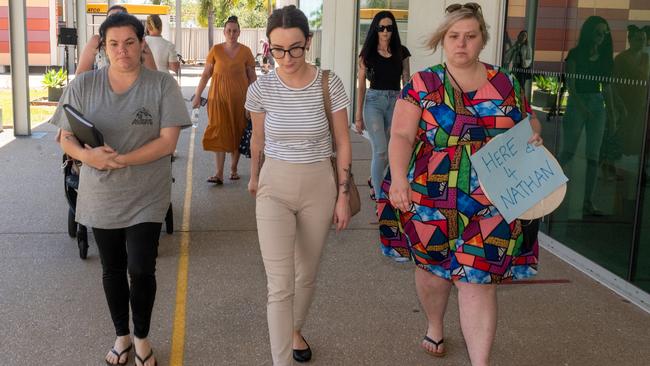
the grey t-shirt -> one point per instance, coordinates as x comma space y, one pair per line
141, 193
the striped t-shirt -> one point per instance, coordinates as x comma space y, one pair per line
295, 126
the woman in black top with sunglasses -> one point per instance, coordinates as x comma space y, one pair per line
383, 61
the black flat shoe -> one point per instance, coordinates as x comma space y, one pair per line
302, 355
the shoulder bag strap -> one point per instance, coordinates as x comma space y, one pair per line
327, 102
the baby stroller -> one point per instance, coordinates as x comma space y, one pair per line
70, 186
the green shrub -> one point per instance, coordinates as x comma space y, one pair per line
547, 83
55, 79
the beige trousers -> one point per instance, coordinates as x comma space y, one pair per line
294, 209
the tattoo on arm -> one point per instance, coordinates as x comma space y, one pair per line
346, 181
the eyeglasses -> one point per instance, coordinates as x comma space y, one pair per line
294, 52
474, 7
388, 28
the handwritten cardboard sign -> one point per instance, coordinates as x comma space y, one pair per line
514, 174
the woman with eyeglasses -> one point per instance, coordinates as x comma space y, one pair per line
590, 105
431, 207
231, 66
296, 195
384, 62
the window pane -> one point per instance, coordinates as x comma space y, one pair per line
589, 88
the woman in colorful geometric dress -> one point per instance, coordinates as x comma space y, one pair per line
431, 207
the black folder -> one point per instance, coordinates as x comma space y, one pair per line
84, 130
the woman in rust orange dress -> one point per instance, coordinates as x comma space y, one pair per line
232, 68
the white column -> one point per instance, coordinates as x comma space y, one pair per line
111, 3
81, 25
338, 43
178, 38
68, 14
19, 67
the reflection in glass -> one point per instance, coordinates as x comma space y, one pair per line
631, 68
519, 59
589, 66
641, 274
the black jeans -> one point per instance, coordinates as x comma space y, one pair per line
141, 243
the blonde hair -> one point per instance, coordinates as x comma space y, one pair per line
154, 23
452, 18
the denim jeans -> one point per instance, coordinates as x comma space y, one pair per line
574, 122
377, 116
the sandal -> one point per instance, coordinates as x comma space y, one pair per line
119, 356
234, 176
216, 180
437, 344
143, 360
373, 196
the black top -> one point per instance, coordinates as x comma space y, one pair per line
589, 74
385, 73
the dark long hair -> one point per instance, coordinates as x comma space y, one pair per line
369, 50
585, 42
519, 36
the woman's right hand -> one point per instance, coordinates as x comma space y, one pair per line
252, 187
359, 126
102, 158
196, 102
400, 194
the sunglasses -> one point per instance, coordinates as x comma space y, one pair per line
474, 7
388, 28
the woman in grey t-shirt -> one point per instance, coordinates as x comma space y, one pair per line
125, 185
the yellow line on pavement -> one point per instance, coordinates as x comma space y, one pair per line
178, 333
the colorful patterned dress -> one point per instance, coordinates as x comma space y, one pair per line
452, 230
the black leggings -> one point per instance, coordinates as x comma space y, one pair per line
141, 243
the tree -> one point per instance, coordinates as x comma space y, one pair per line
316, 18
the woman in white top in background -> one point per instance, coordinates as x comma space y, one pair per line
296, 195
163, 51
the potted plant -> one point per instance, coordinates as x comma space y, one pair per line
545, 95
54, 81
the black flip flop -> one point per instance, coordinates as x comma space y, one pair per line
143, 360
119, 356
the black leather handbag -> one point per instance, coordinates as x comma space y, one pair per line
245, 142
